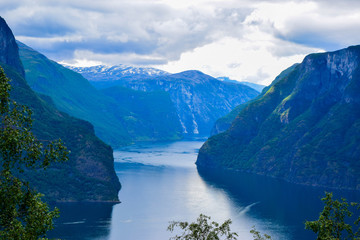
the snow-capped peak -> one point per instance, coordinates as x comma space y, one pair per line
113, 73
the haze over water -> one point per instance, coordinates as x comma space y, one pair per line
160, 183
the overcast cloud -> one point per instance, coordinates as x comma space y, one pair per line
244, 40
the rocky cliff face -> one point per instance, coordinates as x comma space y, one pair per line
89, 174
199, 99
304, 129
223, 124
9, 52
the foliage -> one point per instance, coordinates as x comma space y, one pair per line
257, 235
202, 229
332, 222
69, 181
22, 213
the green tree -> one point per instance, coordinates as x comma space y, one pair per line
22, 213
202, 229
332, 223
257, 235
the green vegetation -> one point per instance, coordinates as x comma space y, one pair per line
151, 115
303, 129
333, 220
78, 179
333, 224
22, 213
257, 235
120, 116
203, 230
224, 123
89, 173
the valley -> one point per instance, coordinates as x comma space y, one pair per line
170, 110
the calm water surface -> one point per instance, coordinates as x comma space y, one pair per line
160, 183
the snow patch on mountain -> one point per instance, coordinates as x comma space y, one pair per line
117, 72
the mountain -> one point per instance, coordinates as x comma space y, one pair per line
114, 119
257, 87
102, 76
304, 129
9, 51
199, 99
223, 124
153, 115
89, 174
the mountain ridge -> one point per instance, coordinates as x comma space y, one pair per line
103, 76
118, 124
199, 98
222, 124
257, 87
304, 129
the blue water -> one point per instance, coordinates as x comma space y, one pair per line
160, 183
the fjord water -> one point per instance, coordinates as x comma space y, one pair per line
160, 183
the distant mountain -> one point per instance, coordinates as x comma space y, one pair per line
102, 76
199, 99
223, 124
304, 129
257, 87
153, 115
227, 79
115, 120
89, 174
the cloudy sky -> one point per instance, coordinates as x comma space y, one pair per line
246, 40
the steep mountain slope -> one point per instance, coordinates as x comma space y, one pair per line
161, 122
108, 76
304, 129
89, 174
9, 51
115, 121
223, 124
199, 98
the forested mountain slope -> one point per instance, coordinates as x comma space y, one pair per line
304, 129
116, 120
89, 174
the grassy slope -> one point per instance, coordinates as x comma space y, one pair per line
223, 123
114, 122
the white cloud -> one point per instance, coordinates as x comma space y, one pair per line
249, 40
258, 56
248, 59
90, 58
326, 24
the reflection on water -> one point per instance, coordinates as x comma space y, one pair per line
160, 183
176, 154
277, 202
86, 221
